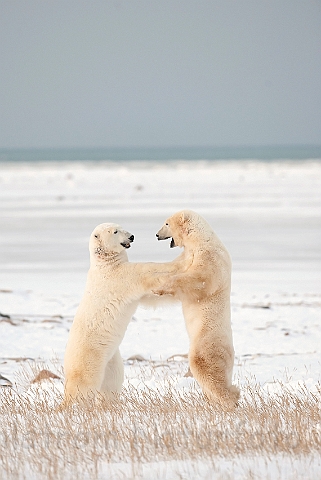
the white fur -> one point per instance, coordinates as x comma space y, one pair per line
204, 290
113, 290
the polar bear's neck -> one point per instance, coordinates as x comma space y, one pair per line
188, 247
107, 259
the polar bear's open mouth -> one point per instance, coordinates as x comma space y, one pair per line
171, 245
126, 243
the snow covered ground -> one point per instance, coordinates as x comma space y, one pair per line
268, 214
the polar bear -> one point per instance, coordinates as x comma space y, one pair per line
113, 290
204, 290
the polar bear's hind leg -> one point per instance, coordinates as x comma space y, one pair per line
209, 369
113, 375
79, 384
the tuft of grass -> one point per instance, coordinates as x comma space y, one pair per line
148, 424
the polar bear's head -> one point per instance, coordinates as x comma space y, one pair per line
179, 227
109, 239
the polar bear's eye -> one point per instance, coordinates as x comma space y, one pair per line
166, 224
96, 236
116, 231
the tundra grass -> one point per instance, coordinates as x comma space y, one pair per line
165, 429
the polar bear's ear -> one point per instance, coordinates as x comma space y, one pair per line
183, 221
184, 217
181, 218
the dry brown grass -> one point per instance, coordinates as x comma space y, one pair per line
150, 426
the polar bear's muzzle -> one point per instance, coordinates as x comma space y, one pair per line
126, 244
162, 237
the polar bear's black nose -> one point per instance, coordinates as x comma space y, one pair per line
131, 238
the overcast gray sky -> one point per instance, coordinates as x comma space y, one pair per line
79, 73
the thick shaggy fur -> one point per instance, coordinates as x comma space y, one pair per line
204, 290
113, 290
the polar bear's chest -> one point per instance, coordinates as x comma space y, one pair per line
115, 321
103, 322
124, 313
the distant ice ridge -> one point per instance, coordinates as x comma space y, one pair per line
121, 154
